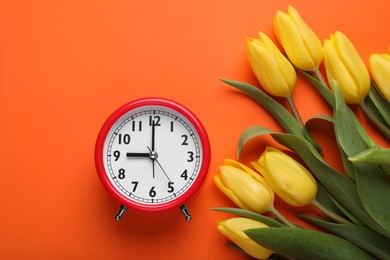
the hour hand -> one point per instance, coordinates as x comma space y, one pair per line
137, 155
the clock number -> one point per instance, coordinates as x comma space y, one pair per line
170, 187
134, 126
152, 192
154, 120
135, 183
185, 139
117, 154
125, 139
171, 126
121, 174
191, 156
184, 175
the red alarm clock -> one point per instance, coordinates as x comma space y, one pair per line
152, 155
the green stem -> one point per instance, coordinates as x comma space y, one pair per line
281, 217
381, 127
294, 109
318, 75
330, 214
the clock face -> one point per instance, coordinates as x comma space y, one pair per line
153, 155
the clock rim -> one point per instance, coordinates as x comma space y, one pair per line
203, 139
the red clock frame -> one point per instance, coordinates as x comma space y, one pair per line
204, 141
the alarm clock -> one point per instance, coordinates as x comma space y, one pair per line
152, 155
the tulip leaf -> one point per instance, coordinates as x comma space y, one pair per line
342, 188
249, 214
374, 155
325, 199
372, 183
248, 134
326, 93
374, 191
306, 244
286, 120
320, 117
347, 134
380, 103
365, 238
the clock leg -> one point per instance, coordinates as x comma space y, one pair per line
183, 208
122, 210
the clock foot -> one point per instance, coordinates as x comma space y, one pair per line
184, 210
122, 210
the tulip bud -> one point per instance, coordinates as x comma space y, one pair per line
380, 71
343, 64
301, 44
274, 72
289, 179
245, 187
234, 230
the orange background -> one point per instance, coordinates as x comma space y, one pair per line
65, 65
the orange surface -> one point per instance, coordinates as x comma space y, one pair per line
66, 65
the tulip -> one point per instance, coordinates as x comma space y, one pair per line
380, 71
289, 179
245, 187
343, 64
273, 71
301, 44
234, 230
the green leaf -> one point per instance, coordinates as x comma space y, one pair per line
248, 134
380, 103
373, 184
347, 133
286, 120
326, 93
374, 191
342, 188
325, 199
379, 156
306, 244
363, 237
249, 214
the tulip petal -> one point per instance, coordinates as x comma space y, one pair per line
380, 70
228, 192
233, 229
267, 69
353, 63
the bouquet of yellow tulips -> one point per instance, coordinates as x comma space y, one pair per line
356, 203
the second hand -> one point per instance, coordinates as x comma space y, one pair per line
154, 158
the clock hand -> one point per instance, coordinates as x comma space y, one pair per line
153, 156
152, 151
153, 134
137, 155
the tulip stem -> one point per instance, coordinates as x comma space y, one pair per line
281, 217
318, 75
294, 109
330, 214
381, 127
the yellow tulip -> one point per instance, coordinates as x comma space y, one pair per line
233, 229
380, 71
274, 72
245, 187
301, 44
288, 178
343, 64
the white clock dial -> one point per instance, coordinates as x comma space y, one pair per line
152, 154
